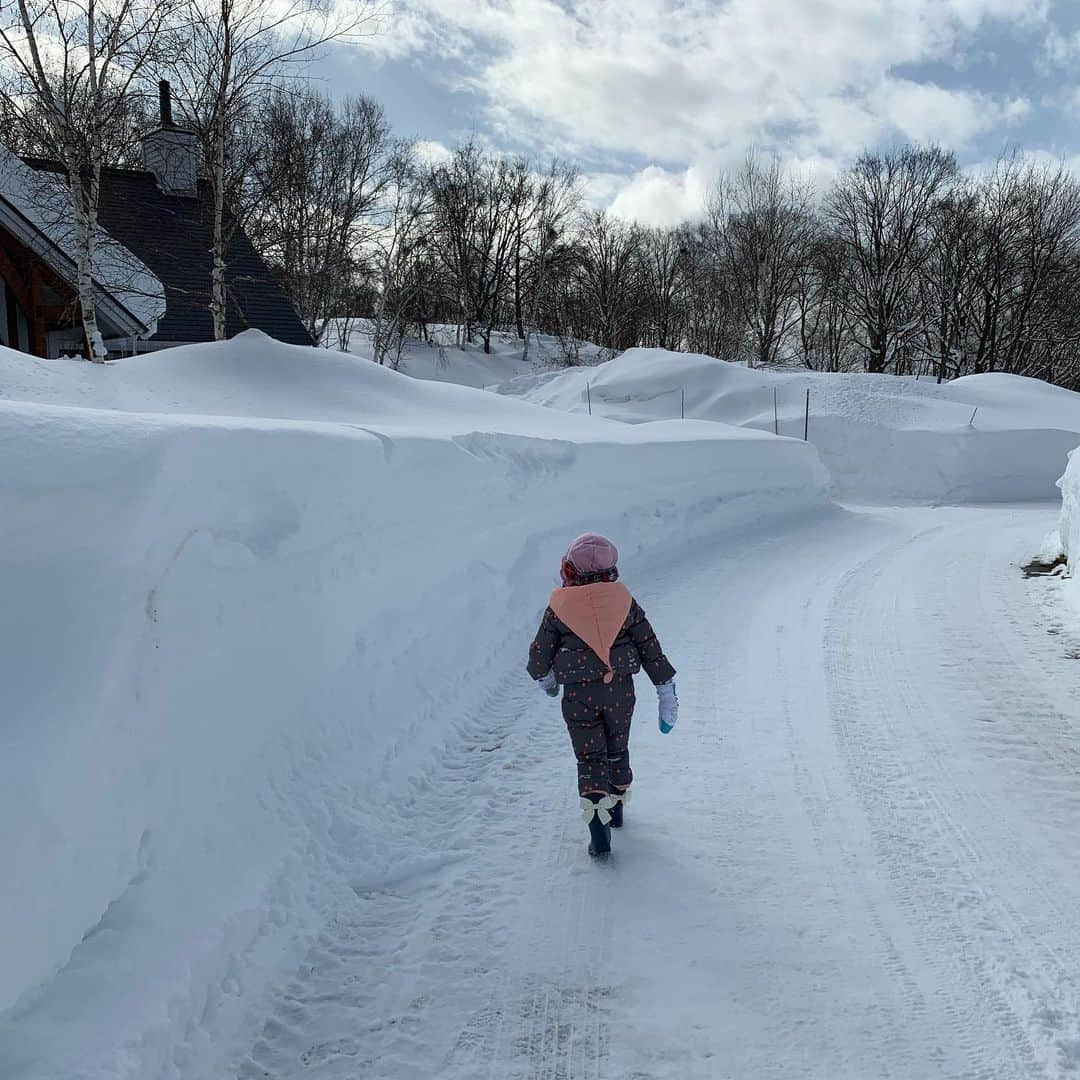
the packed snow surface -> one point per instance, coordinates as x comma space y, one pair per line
256, 599
983, 438
854, 857
278, 802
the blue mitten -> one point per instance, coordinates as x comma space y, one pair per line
669, 705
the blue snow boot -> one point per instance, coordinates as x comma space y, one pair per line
621, 799
597, 809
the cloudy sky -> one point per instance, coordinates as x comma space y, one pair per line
652, 97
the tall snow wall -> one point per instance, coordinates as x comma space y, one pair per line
229, 646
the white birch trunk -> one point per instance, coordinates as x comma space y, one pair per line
378, 350
217, 271
84, 216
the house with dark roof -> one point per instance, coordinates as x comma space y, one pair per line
152, 272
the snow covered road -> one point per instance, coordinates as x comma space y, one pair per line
855, 857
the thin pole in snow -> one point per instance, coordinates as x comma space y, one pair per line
588, 397
682, 403
806, 422
971, 422
775, 414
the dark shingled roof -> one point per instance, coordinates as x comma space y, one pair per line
172, 235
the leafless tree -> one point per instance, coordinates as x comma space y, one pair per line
881, 210
762, 231
947, 282
319, 176
231, 55
404, 258
474, 198
71, 72
553, 198
1030, 218
662, 271
609, 279
825, 338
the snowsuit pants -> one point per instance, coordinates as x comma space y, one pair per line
598, 715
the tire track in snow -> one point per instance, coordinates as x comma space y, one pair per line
1020, 726
995, 691
952, 886
827, 906
910, 827
840, 865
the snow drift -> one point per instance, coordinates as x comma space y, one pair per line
1069, 526
983, 438
249, 591
445, 358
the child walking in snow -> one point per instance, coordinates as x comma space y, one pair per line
593, 639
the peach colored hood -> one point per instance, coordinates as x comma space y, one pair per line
596, 613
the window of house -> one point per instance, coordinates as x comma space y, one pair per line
14, 327
23, 329
5, 333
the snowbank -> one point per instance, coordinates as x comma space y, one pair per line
1069, 528
883, 438
249, 591
442, 359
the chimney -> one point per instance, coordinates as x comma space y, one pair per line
172, 153
165, 103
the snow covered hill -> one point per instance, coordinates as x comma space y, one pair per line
251, 593
444, 359
985, 438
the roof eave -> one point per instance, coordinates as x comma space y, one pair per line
12, 219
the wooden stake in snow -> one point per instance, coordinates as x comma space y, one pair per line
682, 403
971, 422
775, 414
806, 422
588, 397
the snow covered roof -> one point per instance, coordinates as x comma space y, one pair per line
173, 236
34, 208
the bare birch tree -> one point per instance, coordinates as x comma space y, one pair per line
70, 72
232, 54
404, 257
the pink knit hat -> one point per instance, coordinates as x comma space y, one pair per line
591, 554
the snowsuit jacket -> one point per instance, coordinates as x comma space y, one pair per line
557, 648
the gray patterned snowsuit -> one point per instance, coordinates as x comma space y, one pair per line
598, 714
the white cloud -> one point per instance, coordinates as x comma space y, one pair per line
669, 81
927, 113
432, 152
657, 197
690, 84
